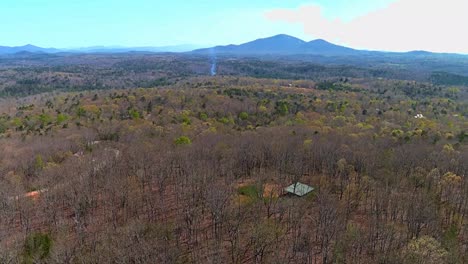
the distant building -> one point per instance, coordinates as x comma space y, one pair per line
298, 189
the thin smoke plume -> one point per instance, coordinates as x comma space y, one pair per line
213, 63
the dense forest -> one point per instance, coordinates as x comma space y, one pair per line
26, 74
146, 159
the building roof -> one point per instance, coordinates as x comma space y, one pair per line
299, 189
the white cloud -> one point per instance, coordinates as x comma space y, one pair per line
432, 25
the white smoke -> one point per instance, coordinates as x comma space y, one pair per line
214, 63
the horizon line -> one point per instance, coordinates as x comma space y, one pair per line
208, 46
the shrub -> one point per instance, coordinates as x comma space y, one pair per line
397, 133
38, 163
61, 118
225, 120
44, 119
243, 116
203, 116
183, 140
186, 120
134, 114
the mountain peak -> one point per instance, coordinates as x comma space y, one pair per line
284, 36
284, 44
419, 52
277, 44
322, 41
277, 39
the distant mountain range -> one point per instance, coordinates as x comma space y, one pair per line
26, 48
98, 49
288, 45
118, 49
276, 45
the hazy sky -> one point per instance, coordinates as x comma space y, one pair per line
371, 24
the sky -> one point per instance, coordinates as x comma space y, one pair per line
393, 25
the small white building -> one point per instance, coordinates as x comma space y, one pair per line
298, 189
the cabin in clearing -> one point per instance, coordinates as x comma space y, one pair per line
298, 189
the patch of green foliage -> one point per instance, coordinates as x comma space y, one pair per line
243, 116
44, 119
203, 116
282, 107
39, 163
134, 114
37, 247
61, 118
250, 191
225, 120
183, 140
185, 119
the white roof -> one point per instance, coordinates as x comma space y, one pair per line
299, 189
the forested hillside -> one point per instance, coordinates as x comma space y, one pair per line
131, 159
